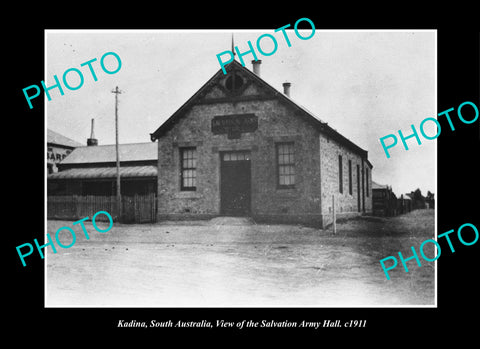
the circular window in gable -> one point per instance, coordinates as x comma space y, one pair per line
234, 82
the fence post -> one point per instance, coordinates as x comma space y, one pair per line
154, 207
334, 216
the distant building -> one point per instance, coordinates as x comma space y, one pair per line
384, 200
404, 204
58, 147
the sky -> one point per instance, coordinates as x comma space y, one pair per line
365, 84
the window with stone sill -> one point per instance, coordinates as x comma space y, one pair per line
188, 170
285, 165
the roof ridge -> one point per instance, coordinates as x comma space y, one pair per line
113, 144
317, 122
51, 135
106, 153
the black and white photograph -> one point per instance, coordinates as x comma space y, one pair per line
219, 171
235, 169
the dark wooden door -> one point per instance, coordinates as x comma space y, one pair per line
235, 187
139, 208
128, 209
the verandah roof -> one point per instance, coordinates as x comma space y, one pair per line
105, 172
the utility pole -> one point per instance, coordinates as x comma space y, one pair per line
119, 196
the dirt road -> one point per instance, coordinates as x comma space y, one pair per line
235, 263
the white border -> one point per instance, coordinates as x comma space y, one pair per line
123, 31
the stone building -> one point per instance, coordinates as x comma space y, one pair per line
240, 147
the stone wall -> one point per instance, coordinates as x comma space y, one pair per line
276, 123
347, 204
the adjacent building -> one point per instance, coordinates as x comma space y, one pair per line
239, 146
58, 147
86, 182
91, 170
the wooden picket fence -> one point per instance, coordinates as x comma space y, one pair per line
135, 209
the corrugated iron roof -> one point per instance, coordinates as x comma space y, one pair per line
106, 153
56, 138
105, 172
375, 185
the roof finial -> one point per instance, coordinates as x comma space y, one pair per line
233, 46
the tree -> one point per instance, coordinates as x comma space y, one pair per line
417, 195
418, 200
430, 199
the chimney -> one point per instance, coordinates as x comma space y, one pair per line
92, 140
286, 88
256, 66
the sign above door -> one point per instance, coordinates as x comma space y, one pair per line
234, 125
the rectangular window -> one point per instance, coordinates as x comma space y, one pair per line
285, 165
358, 188
188, 171
236, 156
366, 179
350, 177
340, 175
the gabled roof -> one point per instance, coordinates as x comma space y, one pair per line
375, 185
106, 153
58, 139
301, 111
